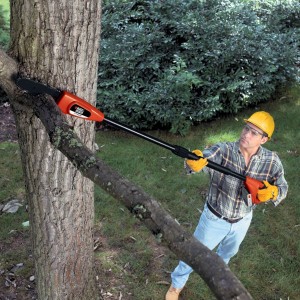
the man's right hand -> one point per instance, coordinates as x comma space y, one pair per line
197, 165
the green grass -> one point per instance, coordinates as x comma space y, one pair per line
11, 179
132, 261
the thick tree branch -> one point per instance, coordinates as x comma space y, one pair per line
8, 69
206, 263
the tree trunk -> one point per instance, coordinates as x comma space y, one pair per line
57, 43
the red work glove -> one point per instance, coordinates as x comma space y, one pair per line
270, 192
197, 165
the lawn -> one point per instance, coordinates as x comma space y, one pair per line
133, 263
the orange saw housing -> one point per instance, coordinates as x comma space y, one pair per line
253, 185
75, 106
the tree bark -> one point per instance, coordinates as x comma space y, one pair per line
206, 263
57, 43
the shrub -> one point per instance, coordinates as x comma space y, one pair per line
4, 29
173, 63
4, 41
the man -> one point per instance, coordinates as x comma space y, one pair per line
227, 215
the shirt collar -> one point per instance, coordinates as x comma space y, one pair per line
237, 149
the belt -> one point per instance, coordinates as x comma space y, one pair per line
231, 221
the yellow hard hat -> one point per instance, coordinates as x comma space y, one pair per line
263, 121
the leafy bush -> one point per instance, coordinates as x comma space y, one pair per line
4, 29
172, 63
4, 41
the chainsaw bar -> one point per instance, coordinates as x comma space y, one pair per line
36, 88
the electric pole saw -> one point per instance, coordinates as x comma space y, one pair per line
72, 105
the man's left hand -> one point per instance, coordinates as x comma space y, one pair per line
270, 192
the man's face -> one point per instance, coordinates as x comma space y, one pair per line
252, 137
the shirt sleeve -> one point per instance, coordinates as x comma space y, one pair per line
213, 153
279, 181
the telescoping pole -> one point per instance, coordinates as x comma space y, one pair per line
177, 150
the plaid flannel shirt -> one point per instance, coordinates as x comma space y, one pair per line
225, 191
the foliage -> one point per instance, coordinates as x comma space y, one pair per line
4, 29
171, 64
4, 41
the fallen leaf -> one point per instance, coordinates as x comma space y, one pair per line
12, 206
163, 282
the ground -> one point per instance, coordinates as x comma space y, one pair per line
14, 284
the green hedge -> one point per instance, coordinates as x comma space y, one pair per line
4, 29
173, 63
4, 41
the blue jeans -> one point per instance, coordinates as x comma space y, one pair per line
212, 231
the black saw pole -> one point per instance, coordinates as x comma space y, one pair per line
177, 150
